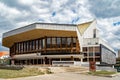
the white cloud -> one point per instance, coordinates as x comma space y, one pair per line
26, 2
105, 8
9, 13
110, 32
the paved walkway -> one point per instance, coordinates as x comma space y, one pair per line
66, 76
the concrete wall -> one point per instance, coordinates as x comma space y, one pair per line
56, 27
66, 63
89, 32
90, 41
107, 68
80, 38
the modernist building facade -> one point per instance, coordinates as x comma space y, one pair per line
43, 43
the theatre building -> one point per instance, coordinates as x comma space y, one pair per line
44, 43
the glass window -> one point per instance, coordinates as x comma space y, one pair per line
58, 42
69, 42
24, 47
97, 49
36, 44
30, 44
90, 49
85, 60
74, 42
90, 54
21, 47
16, 47
64, 42
40, 44
53, 40
43, 43
85, 54
97, 59
33, 45
27, 45
85, 49
90, 59
97, 54
94, 33
48, 42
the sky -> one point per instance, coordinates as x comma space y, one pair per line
18, 13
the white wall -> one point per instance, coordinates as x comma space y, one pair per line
80, 38
90, 41
89, 32
56, 27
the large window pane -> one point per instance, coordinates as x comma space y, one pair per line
53, 42
97, 54
74, 42
22, 47
90, 54
40, 44
43, 43
64, 41
58, 42
30, 44
69, 42
33, 45
48, 42
36, 44
27, 46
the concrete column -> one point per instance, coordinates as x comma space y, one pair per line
12, 62
43, 61
37, 61
93, 53
60, 59
81, 60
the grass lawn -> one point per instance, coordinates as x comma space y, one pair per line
22, 73
102, 73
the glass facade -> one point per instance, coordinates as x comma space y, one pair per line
45, 45
92, 53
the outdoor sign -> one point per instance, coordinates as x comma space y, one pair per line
92, 66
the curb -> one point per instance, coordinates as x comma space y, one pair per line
114, 75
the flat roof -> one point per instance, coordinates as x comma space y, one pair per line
36, 30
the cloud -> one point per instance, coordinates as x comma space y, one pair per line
105, 8
109, 32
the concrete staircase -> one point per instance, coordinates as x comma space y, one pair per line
69, 69
76, 69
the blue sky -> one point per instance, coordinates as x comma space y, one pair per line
17, 13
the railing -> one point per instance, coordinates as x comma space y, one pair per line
61, 53
62, 63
